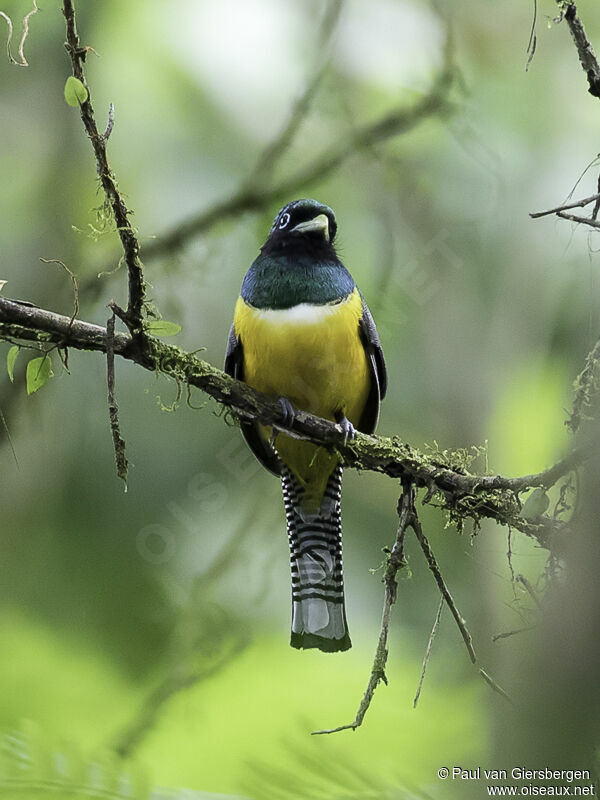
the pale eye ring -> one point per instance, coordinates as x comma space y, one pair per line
284, 221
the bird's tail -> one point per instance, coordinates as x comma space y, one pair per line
318, 613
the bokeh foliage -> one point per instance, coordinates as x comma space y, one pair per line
485, 318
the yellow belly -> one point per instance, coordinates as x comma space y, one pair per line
314, 356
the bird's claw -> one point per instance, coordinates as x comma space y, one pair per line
348, 429
289, 415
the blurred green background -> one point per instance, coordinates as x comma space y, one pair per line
112, 600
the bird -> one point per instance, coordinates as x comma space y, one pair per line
302, 333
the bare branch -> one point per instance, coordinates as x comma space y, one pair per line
433, 566
397, 121
507, 634
590, 65
395, 561
36, 324
532, 43
496, 687
587, 57
9, 437
577, 204
436, 622
113, 409
408, 518
530, 590
275, 149
593, 223
129, 242
596, 208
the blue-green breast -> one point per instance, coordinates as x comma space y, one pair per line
281, 281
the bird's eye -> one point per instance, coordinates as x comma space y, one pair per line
283, 222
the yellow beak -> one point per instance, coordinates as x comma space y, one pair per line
320, 223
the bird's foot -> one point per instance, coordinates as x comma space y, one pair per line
347, 427
289, 415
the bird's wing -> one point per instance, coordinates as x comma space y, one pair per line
234, 366
234, 357
372, 345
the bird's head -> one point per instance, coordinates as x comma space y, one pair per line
304, 225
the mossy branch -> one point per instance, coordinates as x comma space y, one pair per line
446, 478
586, 386
462, 494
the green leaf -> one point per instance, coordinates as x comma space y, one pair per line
160, 327
535, 505
75, 91
10, 361
39, 372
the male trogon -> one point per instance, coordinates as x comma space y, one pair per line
303, 333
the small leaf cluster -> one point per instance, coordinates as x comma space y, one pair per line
38, 372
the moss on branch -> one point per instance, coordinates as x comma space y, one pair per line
462, 494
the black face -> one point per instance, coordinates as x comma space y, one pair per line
303, 222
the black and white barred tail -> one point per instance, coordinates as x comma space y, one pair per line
318, 613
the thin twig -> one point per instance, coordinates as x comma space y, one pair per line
496, 687
8, 21
408, 518
113, 409
406, 514
507, 634
110, 123
593, 223
530, 590
129, 242
509, 555
73, 281
21, 54
433, 566
9, 437
23, 62
596, 208
436, 622
532, 43
576, 204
